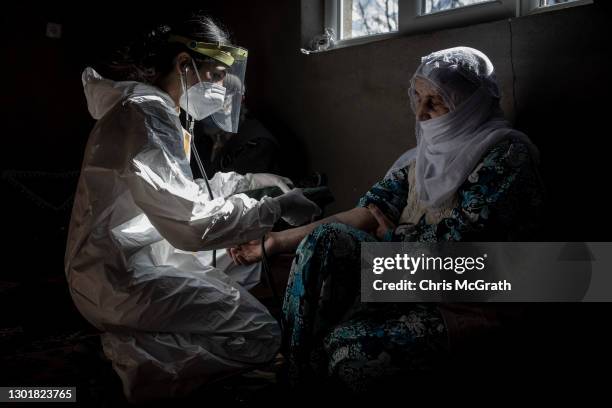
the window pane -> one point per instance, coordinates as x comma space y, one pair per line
367, 17
544, 3
432, 6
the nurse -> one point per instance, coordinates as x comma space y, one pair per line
133, 262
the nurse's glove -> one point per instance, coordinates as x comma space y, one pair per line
297, 209
261, 180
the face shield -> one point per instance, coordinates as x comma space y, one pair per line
221, 82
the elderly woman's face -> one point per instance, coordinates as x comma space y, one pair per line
429, 104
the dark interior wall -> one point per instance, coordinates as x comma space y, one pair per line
562, 79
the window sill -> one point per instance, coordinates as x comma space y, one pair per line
365, 40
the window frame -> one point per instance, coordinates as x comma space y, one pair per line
411, 19
333, 19
533, 6
414, 21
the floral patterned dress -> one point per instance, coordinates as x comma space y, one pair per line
330, 335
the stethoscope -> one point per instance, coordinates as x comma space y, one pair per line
196, 155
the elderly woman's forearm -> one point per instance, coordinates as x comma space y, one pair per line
288, 240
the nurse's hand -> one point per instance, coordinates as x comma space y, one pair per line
250, 252
262, 180
296, 209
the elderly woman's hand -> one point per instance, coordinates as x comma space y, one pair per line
250, 252
384, 223
247, 253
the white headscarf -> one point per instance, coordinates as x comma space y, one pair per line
451, 145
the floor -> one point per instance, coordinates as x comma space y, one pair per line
54, 345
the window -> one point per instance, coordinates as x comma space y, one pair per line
544, 3
366, 17
360, 21
433, 6
536, 6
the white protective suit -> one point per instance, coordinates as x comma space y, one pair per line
171, 321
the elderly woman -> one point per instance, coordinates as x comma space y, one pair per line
471, 178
